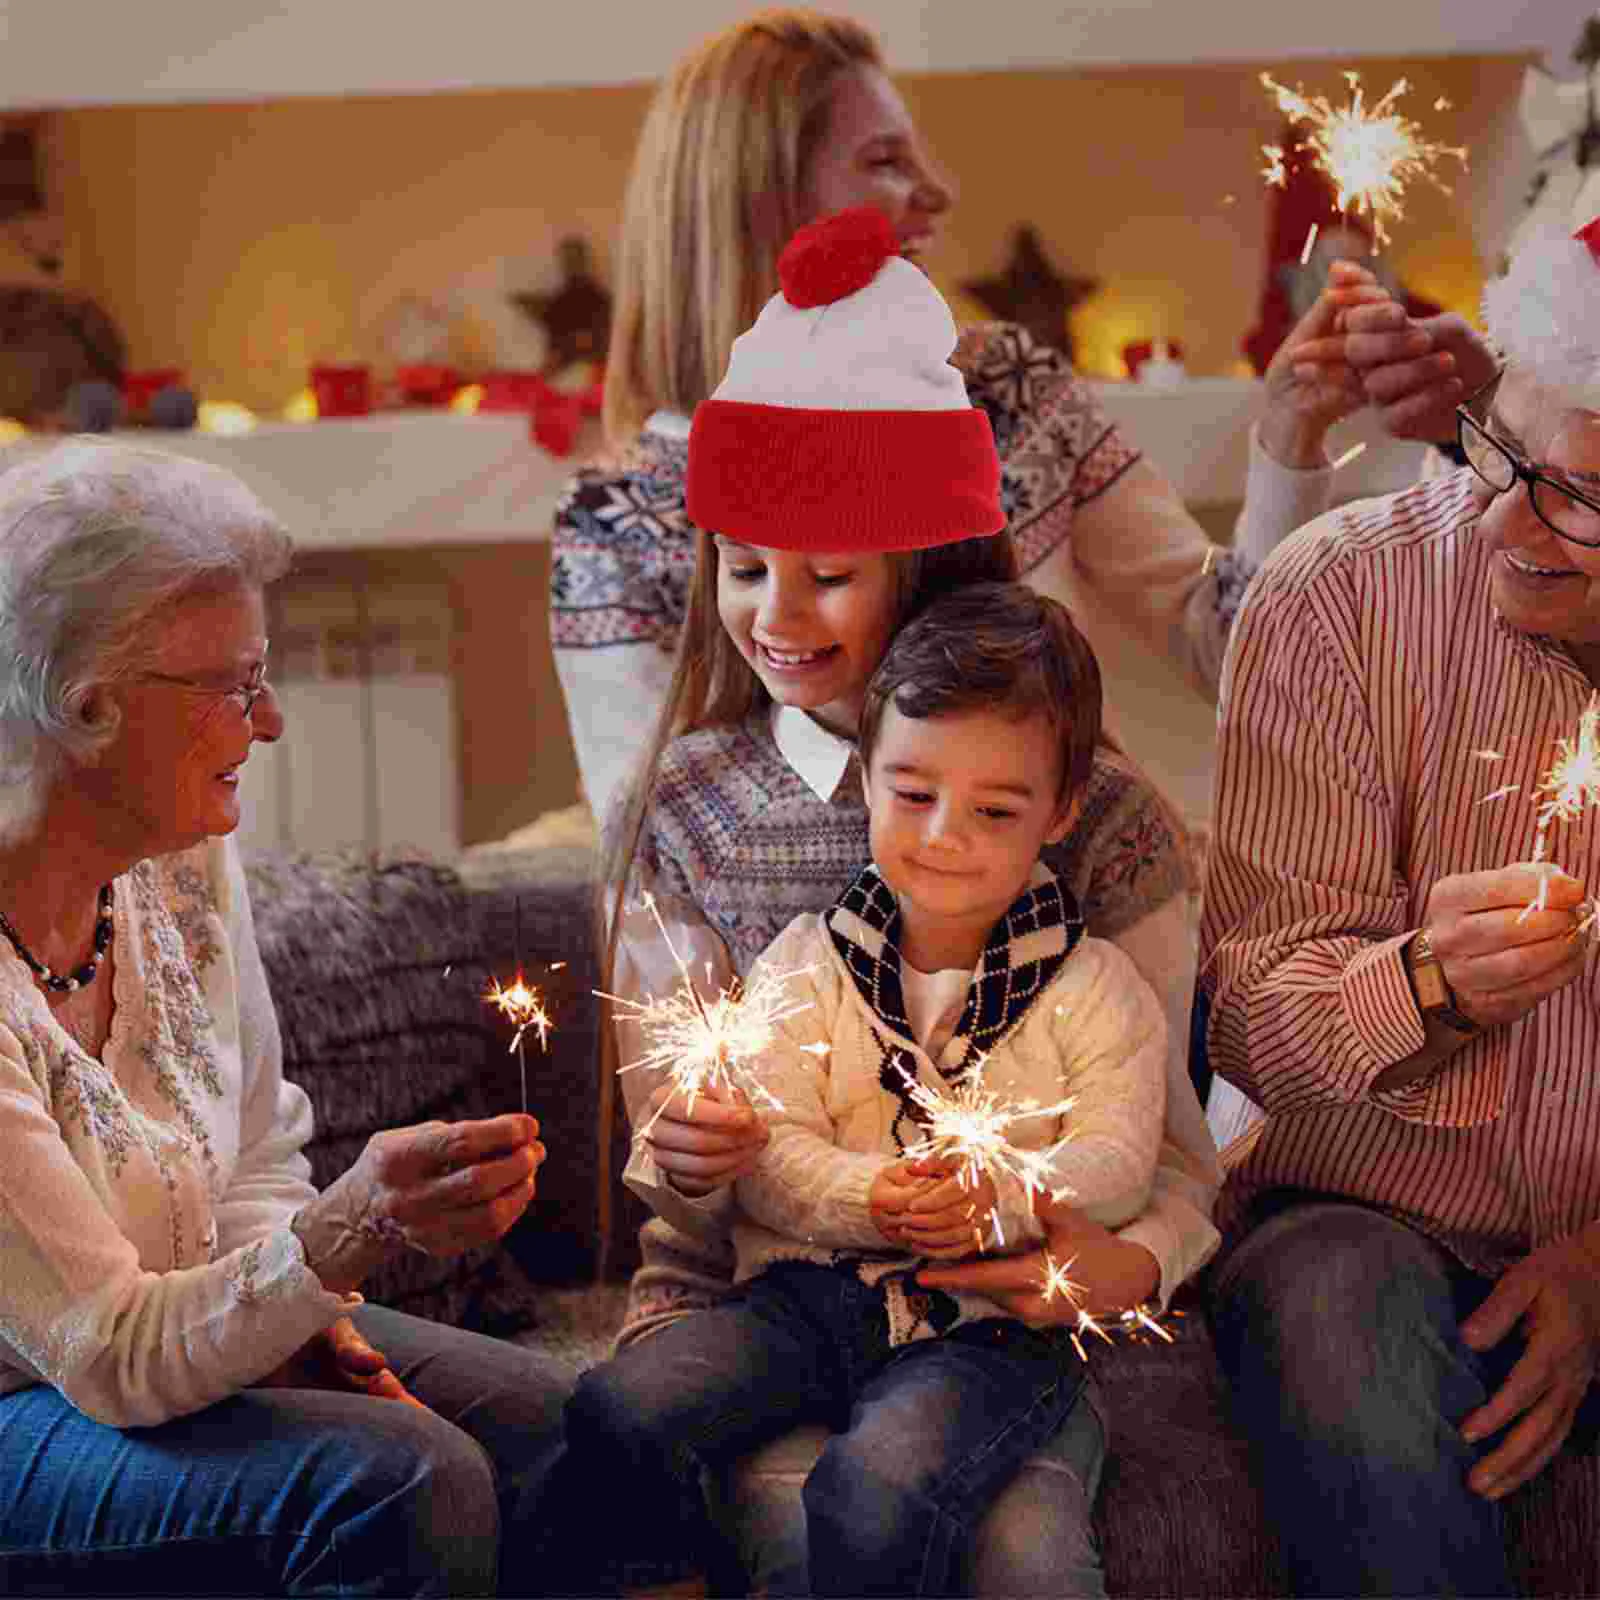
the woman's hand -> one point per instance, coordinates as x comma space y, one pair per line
1112, 1273
1310, 382
704, 1146
439, 1187
1416, 371
340, 1358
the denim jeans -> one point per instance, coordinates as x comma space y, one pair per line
1337, 1326
923, 1437
291, 1491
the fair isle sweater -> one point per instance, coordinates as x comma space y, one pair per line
623, 546
755, 825
1049, 1015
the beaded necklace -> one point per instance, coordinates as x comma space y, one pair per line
85, 975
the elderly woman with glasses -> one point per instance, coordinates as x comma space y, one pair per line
193, 1397
1398, 951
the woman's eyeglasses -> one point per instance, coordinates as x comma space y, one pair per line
244, 695
1562, 509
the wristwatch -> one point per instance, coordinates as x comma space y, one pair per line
1435, 999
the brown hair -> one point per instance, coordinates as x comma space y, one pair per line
716, 190
713, 685
998, 647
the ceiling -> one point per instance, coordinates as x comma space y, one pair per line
86, 52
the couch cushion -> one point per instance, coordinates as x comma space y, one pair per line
377, 968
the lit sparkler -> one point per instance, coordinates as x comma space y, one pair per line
1369, 153
1058, 1284
707, 1044
1570, 787
523, 1007
967, 1124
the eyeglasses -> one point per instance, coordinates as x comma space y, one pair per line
1562, 509
244, 695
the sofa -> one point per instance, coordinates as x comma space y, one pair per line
377, 966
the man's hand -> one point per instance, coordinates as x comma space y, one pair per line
1113, 1273
1415, 370
702, 1149
1499, 963
1555, 1294
339, 1358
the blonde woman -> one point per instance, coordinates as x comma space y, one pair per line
788, 115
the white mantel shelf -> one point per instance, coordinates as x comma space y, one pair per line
401, 478
433, 478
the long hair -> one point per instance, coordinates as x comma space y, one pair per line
712, 685
715, 192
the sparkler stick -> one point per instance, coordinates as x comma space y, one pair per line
968, 1124
523, 1007
1310, 244
710, 1044
1369, 153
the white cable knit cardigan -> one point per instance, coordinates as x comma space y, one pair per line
147, 1268
1064, 1015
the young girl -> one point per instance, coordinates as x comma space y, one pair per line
748, 809
954, 951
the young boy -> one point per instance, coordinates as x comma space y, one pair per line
954, 949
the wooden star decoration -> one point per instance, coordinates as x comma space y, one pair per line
576, 317
1032, 293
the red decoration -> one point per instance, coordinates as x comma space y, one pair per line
342, 391
1135, 355
427, 384
555, 416
829, 259
1590, 234
140, 388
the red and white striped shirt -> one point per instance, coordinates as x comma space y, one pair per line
1368, 670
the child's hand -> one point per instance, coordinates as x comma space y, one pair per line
946, 1220
889, 1199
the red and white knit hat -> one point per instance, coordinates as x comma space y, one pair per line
841, 424
1545, 312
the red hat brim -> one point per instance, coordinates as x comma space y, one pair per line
793, 478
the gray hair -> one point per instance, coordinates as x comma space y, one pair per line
97, 539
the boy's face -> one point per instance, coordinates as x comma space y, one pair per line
961, 806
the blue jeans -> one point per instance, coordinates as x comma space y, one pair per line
291, 1491
1337, 1326
924, 1436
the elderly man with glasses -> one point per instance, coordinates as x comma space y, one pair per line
1397, 956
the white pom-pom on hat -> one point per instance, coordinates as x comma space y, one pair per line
1545, 312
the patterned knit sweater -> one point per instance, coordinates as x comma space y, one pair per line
739, 845
624, 549
1048, 1015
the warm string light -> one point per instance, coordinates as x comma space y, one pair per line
1369, 153
1057, 1283
967, 1125
706, 1044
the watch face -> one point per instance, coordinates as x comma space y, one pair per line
1432, 992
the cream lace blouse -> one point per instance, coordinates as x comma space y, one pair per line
147, 1268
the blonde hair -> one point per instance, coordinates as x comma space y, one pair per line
716, 189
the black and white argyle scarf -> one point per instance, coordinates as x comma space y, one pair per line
1023, 953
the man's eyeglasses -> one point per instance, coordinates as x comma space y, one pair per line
1567, 513
244, 695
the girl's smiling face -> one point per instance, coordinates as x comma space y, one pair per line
812, 626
